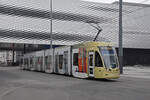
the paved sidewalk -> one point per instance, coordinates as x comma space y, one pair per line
137, 71
9, 68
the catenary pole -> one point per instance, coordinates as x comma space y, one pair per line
51, 19
120, 38
51, 31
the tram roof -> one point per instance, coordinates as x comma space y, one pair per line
93, 44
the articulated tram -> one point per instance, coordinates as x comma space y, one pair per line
85, 60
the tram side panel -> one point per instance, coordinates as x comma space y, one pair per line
62, 63
32, 63
79, 62
23, 66
39, 62
48, 60
35, 62
26, 61
21, 62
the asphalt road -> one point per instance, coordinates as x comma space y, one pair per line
16, 84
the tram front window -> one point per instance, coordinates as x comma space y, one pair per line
109, 56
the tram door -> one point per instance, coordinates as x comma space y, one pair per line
91, 64
66, 62
56, 63
75, 62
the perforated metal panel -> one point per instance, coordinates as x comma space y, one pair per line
28, 21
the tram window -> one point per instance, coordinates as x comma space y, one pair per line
38, 60
65, 57
31, 60
56, 61
60, 61
25, 61
41, 61
91, 60
49, 60
98, 61
75, 59
46, 61
35, 60
21, 62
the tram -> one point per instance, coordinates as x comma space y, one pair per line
85, 60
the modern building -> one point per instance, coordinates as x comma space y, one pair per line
28, 21
6, 57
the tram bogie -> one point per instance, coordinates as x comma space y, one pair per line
90, 59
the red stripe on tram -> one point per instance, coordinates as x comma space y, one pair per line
80, 60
